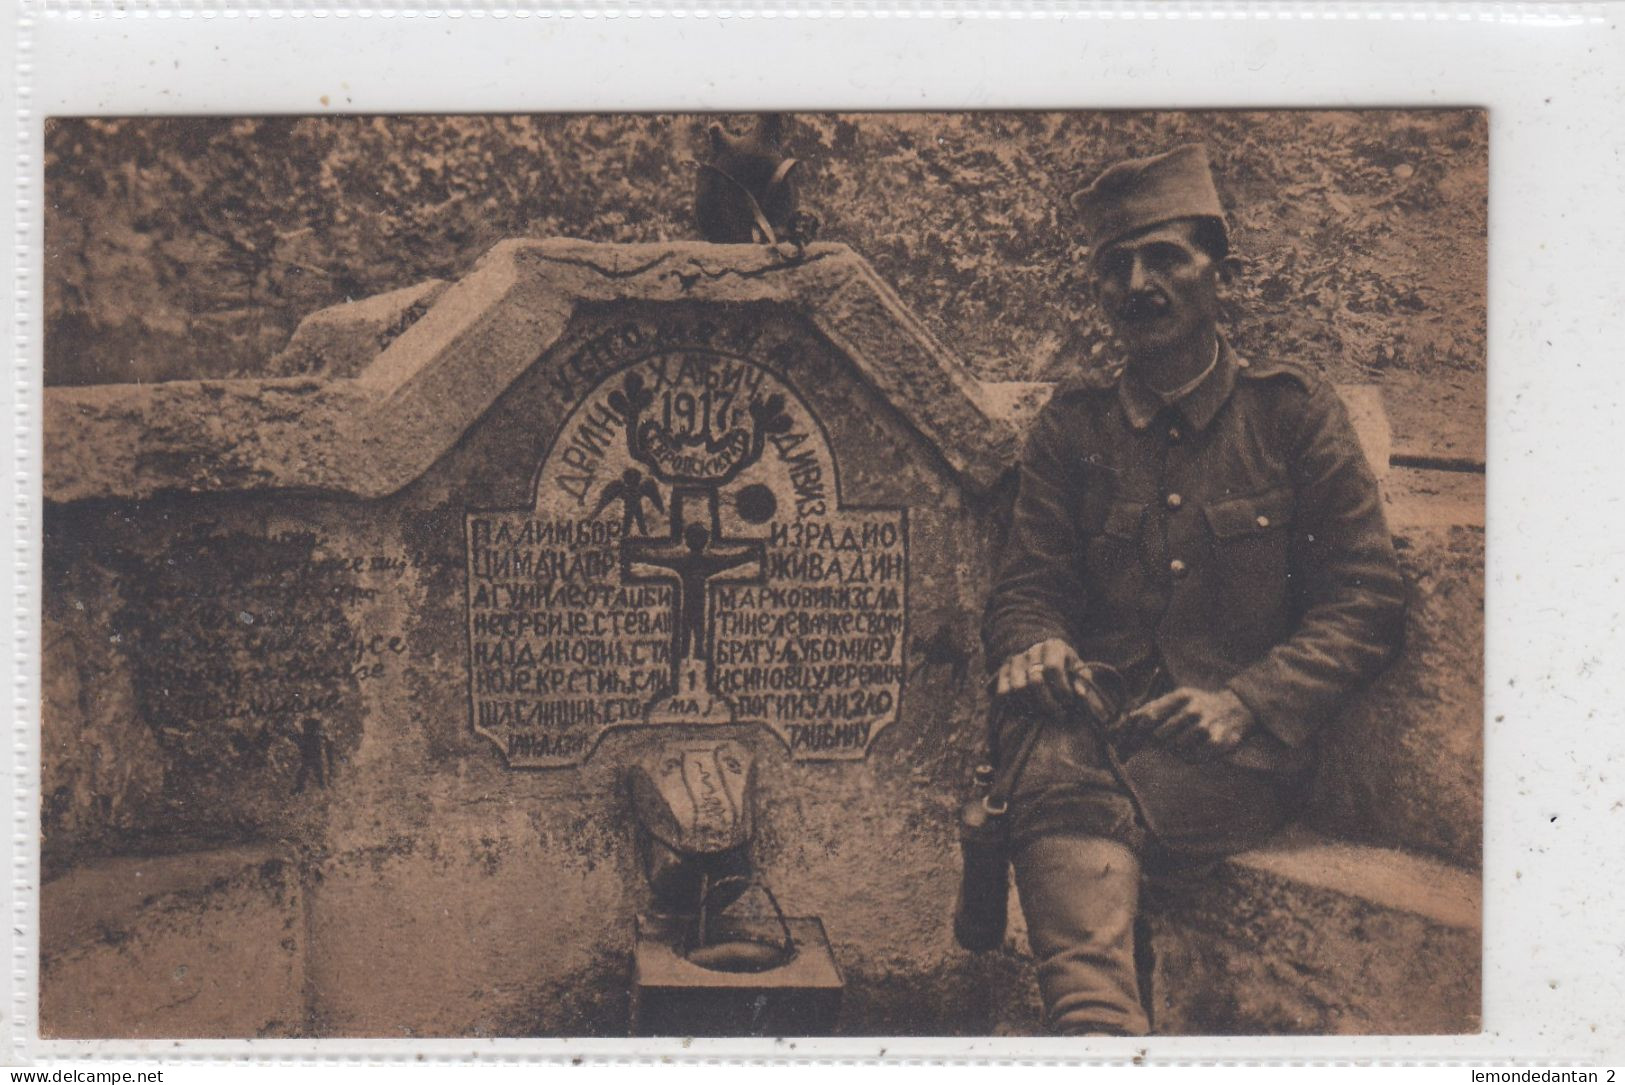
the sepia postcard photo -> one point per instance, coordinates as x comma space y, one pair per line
981, 573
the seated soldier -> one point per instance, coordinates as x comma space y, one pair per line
1207, 525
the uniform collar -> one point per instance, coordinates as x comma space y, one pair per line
1199, 405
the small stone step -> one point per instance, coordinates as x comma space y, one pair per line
1313, 936
205, 944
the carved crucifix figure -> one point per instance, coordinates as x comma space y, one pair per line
693, 556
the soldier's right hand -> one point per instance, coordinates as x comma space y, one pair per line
1049, 672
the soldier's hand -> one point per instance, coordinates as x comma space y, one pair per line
1195, 724
1049, 672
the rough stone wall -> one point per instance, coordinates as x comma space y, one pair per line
445, 893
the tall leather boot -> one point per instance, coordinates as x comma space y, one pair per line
1079, 895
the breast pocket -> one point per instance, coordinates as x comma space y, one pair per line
1251, 540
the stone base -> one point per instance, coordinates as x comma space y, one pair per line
1304, 937
671, 996
202, 945
1314, 937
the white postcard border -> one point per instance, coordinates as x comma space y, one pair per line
1551, 75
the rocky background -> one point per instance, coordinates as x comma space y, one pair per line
192, 246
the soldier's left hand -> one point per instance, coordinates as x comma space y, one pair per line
1195, 724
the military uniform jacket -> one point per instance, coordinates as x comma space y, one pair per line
1236, 538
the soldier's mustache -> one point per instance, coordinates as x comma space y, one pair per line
1143, 305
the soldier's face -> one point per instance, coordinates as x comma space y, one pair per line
1159, 287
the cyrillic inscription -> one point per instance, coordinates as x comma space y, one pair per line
687, 561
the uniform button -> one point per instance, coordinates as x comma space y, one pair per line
1177, 567
1173, 434
1263, 521
1174, 501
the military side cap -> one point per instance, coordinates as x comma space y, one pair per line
1142, 192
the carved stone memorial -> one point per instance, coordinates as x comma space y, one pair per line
688, 558
588, 501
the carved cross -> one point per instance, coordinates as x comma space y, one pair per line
695, 555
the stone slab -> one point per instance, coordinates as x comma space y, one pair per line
207, 944
1437, 414
136, 440
1405, 764
374, 433
342, 340
1311, 936
1364, 404
478, 929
